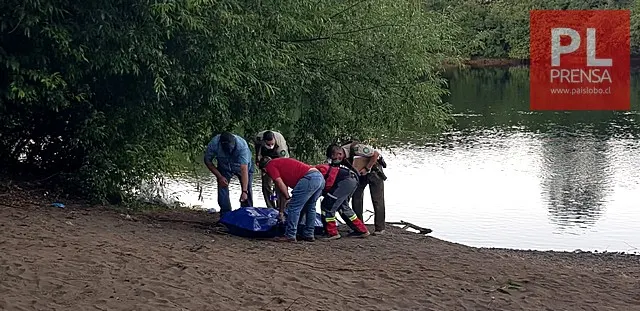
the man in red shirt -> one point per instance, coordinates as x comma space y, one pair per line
307, 183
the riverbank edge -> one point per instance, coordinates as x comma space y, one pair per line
495, 62
488, 62
145, 213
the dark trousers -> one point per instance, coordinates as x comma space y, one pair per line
376, 188
337, 201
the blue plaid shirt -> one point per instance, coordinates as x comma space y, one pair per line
229, 162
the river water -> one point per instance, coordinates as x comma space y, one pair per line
507, 177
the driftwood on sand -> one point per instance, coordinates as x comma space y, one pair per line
406, 225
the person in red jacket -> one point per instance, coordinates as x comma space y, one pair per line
307, 183
340, 183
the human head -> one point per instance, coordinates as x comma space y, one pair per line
335, 153
227, 142
269, 139
263, 162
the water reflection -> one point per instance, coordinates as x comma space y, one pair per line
576, 173
575, 179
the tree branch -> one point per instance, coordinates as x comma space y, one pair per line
363, 29
347, 8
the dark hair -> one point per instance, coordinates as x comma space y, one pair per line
268, 135
226, 138
331, 149
263, 162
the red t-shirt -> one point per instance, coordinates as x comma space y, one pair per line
289, 169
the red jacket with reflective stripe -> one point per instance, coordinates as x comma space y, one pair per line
330, 178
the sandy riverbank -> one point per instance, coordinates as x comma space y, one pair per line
92, 258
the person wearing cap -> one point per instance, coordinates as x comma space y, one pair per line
233, 158
307, 184
270, 144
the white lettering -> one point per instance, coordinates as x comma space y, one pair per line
592, 61
557, 49
594, 75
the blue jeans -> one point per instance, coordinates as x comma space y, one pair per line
223, 192
303, 199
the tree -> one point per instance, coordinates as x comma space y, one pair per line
102, 95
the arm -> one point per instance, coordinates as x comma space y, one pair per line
213, 169
244, 177
368, 152
282, 187
284, 190
258, 151
209, 154
257, 143
372, 160
245, 158
274, 173
282, 143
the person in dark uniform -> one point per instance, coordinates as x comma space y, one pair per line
367, 161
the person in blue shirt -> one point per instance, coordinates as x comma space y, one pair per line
233, 157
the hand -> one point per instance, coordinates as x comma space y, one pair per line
222, 182
364, 171
281, 216
243, 197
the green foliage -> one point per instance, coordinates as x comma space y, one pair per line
635, 27
500, 28
104, 95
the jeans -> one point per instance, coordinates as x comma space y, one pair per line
223, 192
303, 200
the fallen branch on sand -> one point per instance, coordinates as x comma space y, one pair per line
412, 226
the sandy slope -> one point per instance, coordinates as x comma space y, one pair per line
92, 259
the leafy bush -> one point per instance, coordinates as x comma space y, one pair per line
103, 95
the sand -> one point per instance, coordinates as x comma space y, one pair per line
93, 258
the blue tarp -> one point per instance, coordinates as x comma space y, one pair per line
260, 222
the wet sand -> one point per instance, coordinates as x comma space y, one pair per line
94, 258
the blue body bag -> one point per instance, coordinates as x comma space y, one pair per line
260, 222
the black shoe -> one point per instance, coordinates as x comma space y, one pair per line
308, 238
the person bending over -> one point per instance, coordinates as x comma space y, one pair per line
366, 160
307, 184
341, 182
233, 157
